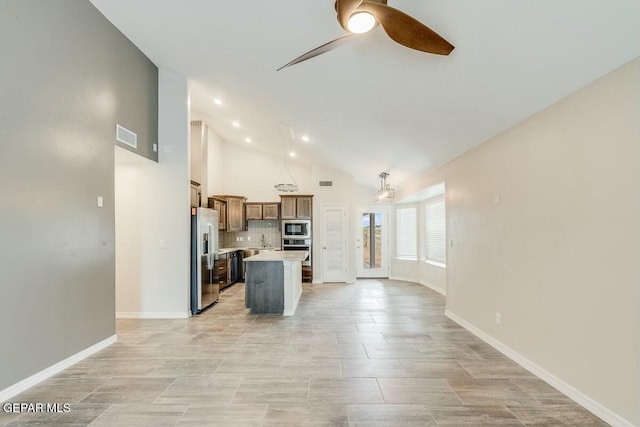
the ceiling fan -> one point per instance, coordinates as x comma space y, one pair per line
361, 16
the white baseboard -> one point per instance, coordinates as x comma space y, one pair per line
574, 394
152, 315
38, 377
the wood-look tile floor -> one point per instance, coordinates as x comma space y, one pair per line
372, 353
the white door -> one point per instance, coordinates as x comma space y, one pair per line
372, 243
334, 243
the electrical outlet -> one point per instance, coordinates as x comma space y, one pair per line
248, 238
496, 199
498, 318
241, 238
162, 244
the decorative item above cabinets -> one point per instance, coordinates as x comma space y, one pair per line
296, 207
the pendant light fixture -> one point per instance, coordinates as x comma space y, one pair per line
285, 182
385, 191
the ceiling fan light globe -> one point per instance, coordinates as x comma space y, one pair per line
361, 22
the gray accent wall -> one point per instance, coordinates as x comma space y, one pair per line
67, 77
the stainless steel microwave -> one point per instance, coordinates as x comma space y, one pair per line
296, 229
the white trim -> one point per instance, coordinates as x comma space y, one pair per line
38, 377
571, 392
152, 315
435, 263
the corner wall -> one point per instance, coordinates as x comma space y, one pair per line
153, 219
558, 255
64, 86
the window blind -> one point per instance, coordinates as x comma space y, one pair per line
407, 246
436, 241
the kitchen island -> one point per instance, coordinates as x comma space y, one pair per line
273, 282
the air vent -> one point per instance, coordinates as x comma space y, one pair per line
325, 183
127, 137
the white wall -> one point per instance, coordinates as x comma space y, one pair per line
341, 192
558, 256
152, 216
216, 162
252, 173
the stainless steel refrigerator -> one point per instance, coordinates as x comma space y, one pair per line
204, 253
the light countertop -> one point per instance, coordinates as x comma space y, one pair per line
279, 256
228, 250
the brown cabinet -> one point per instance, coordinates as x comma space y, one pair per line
219, 205
271, 211
195, 194
288, 205
304, 207
231, 212
253, 211
261, 211
235, 213
296, 207
221, 271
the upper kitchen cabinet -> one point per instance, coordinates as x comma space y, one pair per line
253, 211
271, 211
219, 205
296, 207
234, 211
195, 194
262, 211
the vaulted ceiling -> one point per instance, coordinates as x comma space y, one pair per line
373, 105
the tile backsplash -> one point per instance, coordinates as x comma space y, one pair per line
260, 233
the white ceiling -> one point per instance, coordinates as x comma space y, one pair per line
373, 105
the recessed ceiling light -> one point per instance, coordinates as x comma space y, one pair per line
247, 140
235, 124
292, 153
305, 138
217, 101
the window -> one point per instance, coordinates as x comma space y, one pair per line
436, 236
407, 244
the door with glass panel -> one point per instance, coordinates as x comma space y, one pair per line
372, 243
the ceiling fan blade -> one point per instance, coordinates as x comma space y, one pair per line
406, 30
320, 50
344, 9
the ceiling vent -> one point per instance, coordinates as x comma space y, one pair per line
127, 137
325, 183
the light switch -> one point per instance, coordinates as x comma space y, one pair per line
100, 201
161, 243
155, 147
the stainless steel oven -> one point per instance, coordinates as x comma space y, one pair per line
298, 245
296, 229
